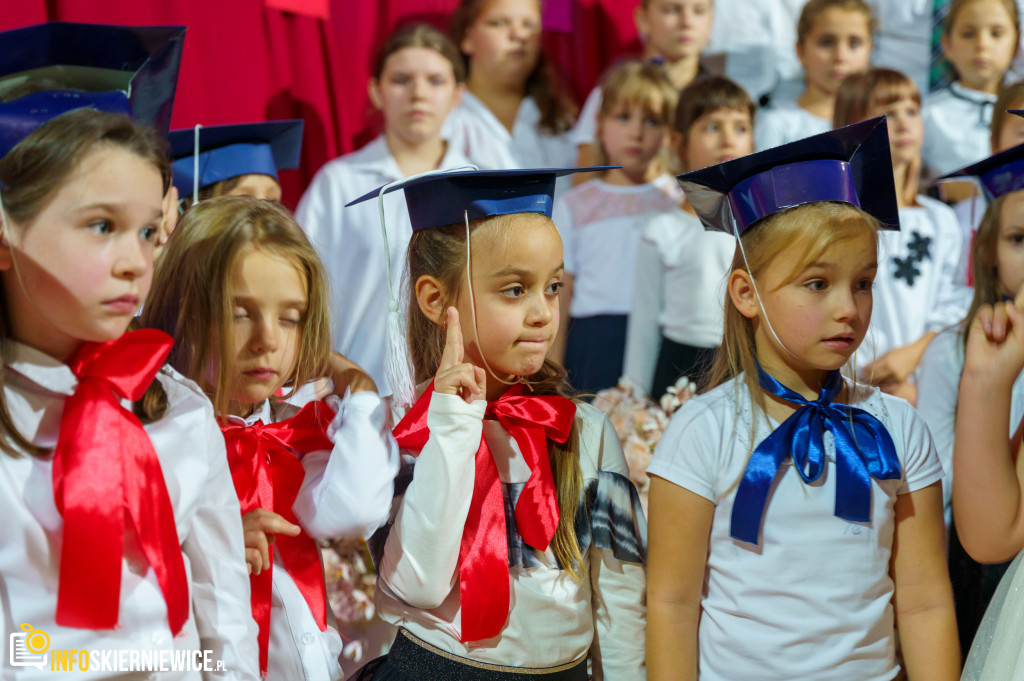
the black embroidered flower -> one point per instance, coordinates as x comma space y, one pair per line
906, 268
919, 247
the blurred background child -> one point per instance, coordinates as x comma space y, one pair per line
674, 33
515, 113
980, 40
417, 80
601, 221
675, 322
833, 41
917, 289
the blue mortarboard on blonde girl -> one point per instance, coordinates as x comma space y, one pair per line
120, 528
798, 484
519, 543
238, 160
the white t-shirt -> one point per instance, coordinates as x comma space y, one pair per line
937, 389
190, 448
956, 129
600, 224
345, 494
784, 123
814, 599
350, 244
679, 291
552, 619
919, 285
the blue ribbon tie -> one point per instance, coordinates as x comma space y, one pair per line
864, 450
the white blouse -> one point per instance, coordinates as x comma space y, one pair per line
346, 493
956, 129
552, 619
190, 448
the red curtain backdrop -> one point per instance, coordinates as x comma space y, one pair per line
246, 61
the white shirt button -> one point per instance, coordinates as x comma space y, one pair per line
308, 639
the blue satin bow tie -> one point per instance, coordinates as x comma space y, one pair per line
863, 452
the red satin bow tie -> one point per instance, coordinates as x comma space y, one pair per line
104, 468
483, 554
267, 474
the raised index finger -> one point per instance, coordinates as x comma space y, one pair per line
453, 352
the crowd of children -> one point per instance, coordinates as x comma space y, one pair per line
202, 390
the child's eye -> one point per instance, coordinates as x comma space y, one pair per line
149, 233
1016, 239
817, 284
287, 321
865, 284
554, 288
827, 41
856, 42
513, 291
652, 122
438, 81
102, 226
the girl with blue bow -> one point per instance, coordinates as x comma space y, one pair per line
795, 516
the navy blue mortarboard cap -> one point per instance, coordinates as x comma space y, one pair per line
439, 199
227, 151
851, 164
118, 69
998, 174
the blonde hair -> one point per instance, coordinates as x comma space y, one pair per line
191, 295
861, 93
641, 84
440, 253
814, 8
31, 173
808, 230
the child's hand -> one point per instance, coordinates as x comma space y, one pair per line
259, 528
996, 339
346, 374
454, 376
897, 365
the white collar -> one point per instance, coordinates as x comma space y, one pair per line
39, 368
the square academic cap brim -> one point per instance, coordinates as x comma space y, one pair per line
998, 174
119, 69
227, 151
851, 164
446, 198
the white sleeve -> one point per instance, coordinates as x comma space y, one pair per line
618, 587
318, 213
421, 553
919, 462
769, 130
952, 299
585, 131
691, 451
220, 581
562, 217
938, 382
347, 491
643, 337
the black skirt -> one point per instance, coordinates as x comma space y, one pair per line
411, 659
594, 351
677, 359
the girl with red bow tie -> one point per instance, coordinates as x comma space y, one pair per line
119, 531
517, 551
244, 295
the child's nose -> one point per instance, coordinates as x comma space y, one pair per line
265, 339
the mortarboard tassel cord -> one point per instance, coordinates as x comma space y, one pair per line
397, 371
195, 167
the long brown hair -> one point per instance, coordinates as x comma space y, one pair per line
441, 253
861, 93
30, 174
544, 86
809, 230
191, 297
988, 290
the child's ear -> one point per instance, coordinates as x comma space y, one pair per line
430, 299
742, 294
373, 89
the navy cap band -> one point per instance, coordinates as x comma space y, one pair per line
20, 117
789, 185
224, 163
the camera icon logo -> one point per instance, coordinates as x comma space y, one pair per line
28, 647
